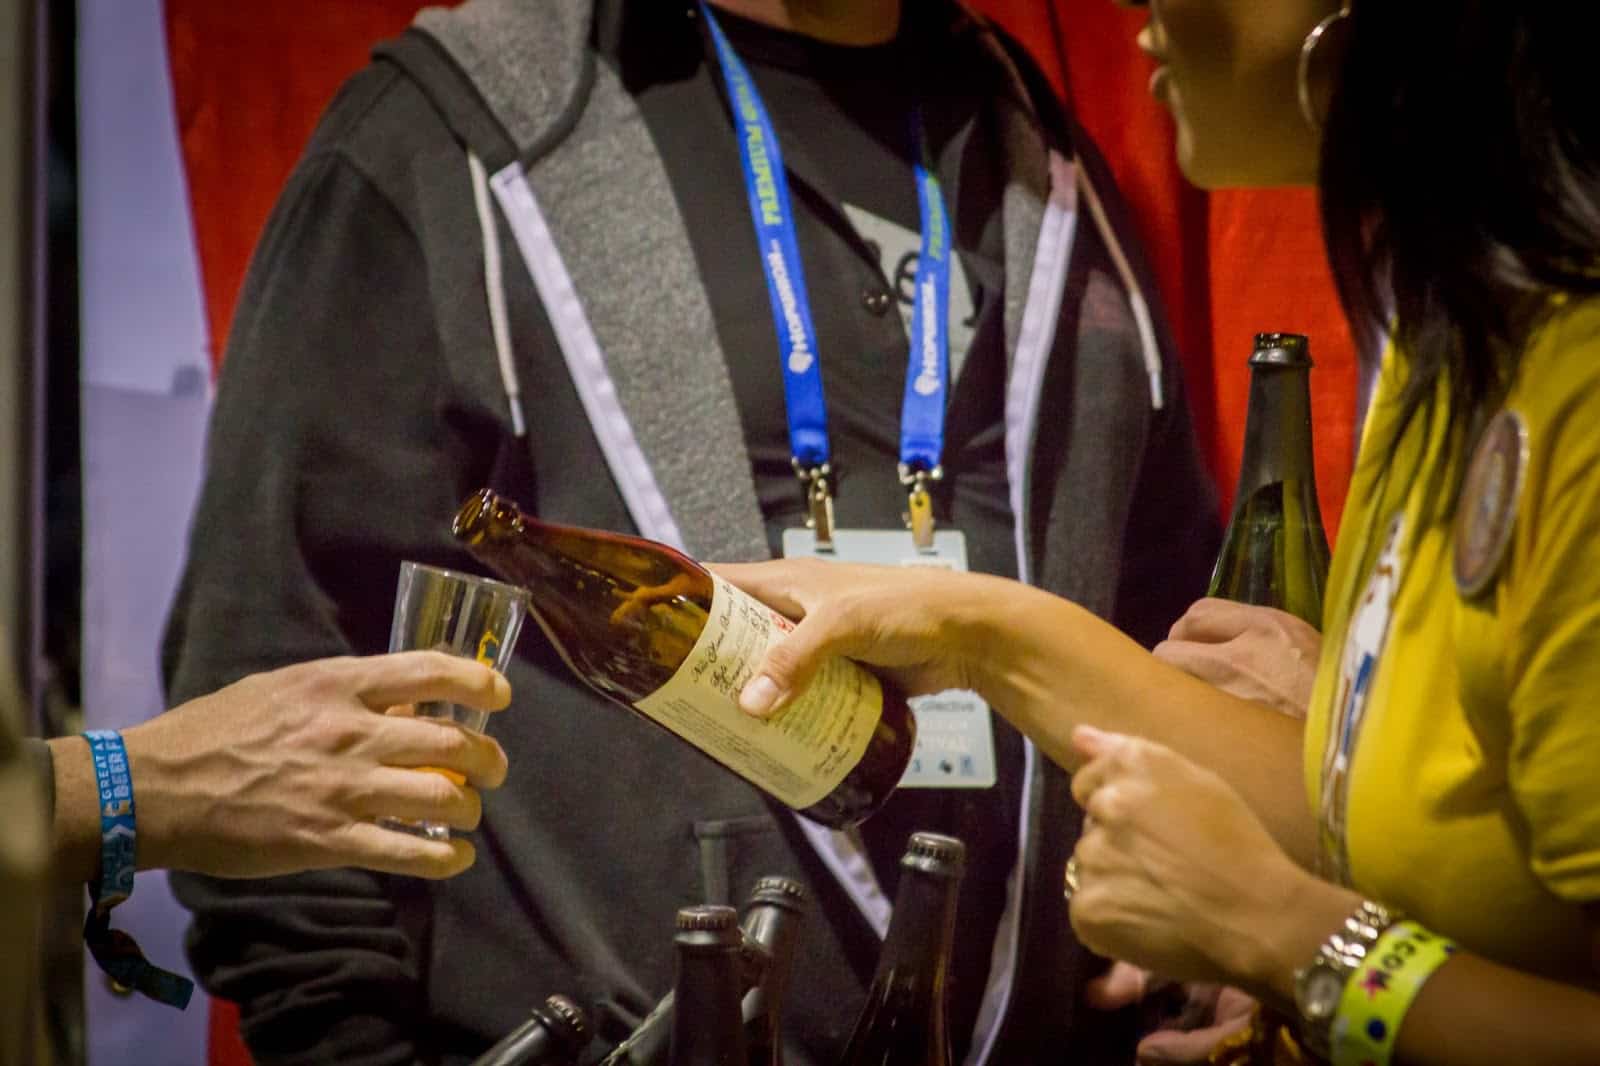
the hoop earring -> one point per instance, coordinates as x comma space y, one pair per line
1308, 51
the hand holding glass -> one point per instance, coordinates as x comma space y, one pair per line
460, 614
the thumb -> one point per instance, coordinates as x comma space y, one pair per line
1092, 743
1121, 985
791, 663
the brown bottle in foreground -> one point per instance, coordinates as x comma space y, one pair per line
657, 632
706, 1027
903, 1022
555, 1035
771, 929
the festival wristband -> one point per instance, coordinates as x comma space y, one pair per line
1380, 992
115, 951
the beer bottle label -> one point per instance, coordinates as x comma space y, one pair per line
798, 755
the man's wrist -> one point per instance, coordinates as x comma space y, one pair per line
76, 819
159, 839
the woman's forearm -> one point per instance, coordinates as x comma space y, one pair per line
1048, 665
1475, 1013
1471, 1012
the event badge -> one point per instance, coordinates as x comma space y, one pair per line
1487, 512
955, 735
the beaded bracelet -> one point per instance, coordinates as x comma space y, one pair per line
1381, 990
113, 950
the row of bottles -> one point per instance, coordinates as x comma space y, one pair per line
765, 948
725, 1008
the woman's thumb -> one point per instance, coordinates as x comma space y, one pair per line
787, 668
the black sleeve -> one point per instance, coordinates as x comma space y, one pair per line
329, 413
1174, 531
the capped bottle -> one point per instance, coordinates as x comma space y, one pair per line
707, 1029
903, 1022
777, 906
1275, 551
648, 627
555, 1035
770, 929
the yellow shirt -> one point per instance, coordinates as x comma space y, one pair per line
1473, 784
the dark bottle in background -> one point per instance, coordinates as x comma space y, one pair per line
1275, 551
555, 1035
770, 930
772, 920
648, 627
707, 1028
903, 1022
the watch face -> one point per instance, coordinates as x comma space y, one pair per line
1324, 988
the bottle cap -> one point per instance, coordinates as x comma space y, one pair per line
935, 853
1281, 349
707, 918
780, 891
564, 1018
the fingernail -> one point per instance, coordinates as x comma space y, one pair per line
759, 696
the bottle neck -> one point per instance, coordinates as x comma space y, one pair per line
916, 952
775, 928
1277, 441
531, 1044
707, 1029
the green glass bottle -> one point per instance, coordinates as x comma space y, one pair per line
1275, 552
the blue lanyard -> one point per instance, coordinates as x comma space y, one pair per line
771, 211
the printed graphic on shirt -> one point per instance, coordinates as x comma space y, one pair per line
1358, 664
898, 249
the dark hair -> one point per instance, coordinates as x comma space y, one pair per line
1460, 183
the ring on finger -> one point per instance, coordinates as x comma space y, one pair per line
1070, 877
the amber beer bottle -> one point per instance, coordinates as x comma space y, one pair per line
1275, 552
771, 928
707, 1029
903, 1022
555, 1035
655, 631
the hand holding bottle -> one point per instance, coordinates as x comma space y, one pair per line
907, 622
1256, 653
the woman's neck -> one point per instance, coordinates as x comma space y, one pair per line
850, 22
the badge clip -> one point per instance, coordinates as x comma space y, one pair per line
919, 513
819, 502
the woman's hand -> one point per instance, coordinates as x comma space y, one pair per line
1210, 1014
914, 624
288, 770
1255, 653
1177, 875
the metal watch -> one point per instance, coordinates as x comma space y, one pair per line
1319, 985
